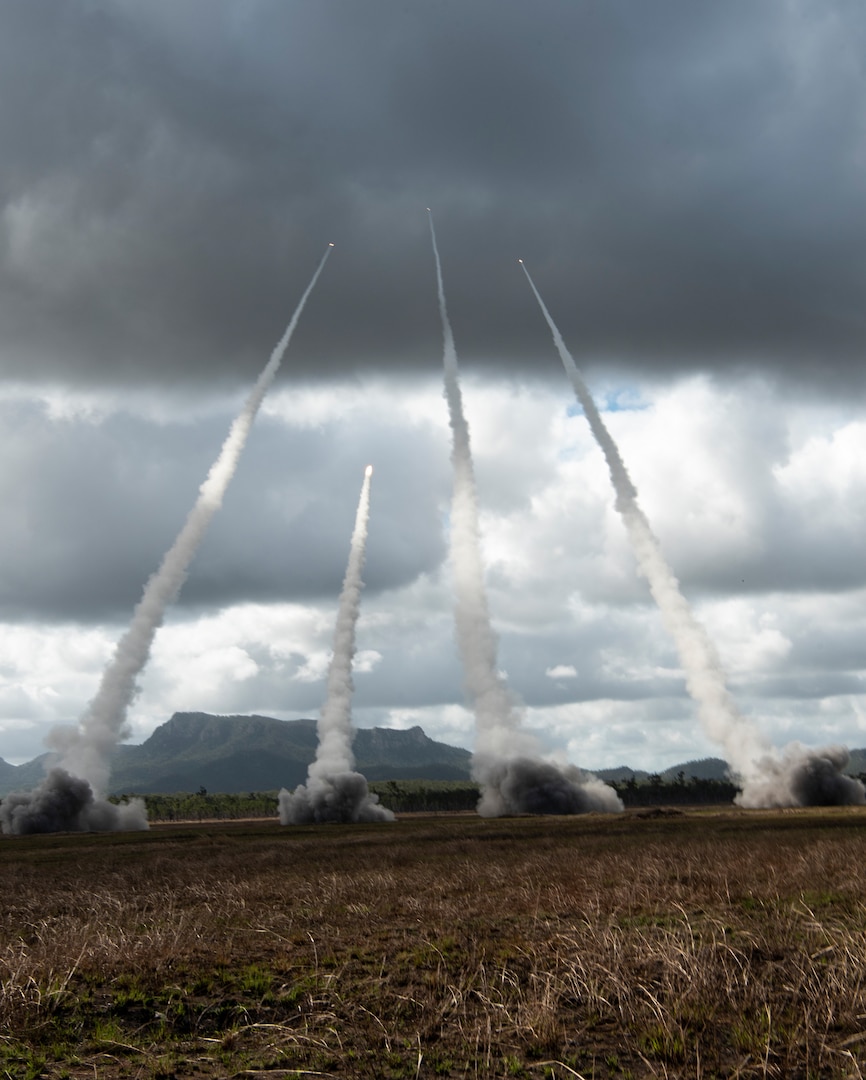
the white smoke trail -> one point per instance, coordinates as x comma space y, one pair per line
498, 721
86, 749
747, 753
334, 791
502, 746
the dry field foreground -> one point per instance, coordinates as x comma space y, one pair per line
698, 945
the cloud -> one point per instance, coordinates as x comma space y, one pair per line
562, 671
579, 635
683, 180
92, 503
685, 183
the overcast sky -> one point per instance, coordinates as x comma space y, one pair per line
685, 181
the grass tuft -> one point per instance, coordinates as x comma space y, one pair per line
707, 944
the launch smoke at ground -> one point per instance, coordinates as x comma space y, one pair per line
798, 776
65, 803
767, 778
334, 792
86, 749
506, 760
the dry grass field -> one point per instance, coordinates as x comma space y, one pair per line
727, 944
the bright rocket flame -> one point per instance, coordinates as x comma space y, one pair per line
330, 245
368, 471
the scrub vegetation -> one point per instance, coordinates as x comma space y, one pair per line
648, 944
401, 796
426, 797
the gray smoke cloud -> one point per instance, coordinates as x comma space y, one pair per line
799, 776
334, 791
506, 760
528, 786
767, 777
338, 798
64, 803
86, 750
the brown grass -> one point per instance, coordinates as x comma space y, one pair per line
727, 945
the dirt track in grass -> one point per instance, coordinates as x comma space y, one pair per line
692, 945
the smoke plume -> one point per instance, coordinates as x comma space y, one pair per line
86, 750
506, 760
64, 803
528, 786
767, 778
334, 792
798, 776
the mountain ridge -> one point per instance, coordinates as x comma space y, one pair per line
240, 753
236, 753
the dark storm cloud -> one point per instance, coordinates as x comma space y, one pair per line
684, 180
90, 509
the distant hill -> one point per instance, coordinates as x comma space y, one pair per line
8, 773
620, 772
254, 753
711, 768
260, 753
702, 769
21, 777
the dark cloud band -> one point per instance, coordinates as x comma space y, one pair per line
684, 179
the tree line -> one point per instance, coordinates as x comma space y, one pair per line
654, 790
427, 796
401, 796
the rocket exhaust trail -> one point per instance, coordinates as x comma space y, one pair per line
747, 753
496, 716
722, 720
86, 749
506, 760
334, 791
86, 754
